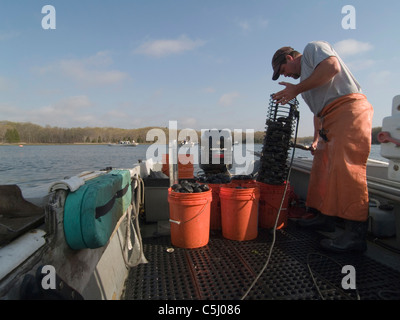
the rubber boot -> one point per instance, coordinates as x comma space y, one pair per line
320, 222
353, 239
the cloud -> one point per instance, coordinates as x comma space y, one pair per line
119, 119
165, 47
188, 122
78, 72
8, 35
262, 23
228, 98
73, 104
88, 71
65, 112
209, 90
248, 25
9, 112
6, 84
380, 77
352, 47
62, 111
244, 25
361, 64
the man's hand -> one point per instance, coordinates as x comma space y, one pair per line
287, 94
313, 147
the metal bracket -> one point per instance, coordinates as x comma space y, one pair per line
385, 137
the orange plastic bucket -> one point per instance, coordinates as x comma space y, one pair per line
215, 212
185, 171
189, 218
239, 212
241, 182
270, 202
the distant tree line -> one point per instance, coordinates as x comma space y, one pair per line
26, 132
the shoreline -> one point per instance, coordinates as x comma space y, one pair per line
60, 144
87, 144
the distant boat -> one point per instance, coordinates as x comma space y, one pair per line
124, 143
187, 143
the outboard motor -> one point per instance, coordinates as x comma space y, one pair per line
216, 151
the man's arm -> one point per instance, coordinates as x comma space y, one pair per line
322, 74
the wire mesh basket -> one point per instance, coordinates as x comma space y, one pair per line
280, 124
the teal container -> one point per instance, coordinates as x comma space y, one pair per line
92, 212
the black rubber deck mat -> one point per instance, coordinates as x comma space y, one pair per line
225, 269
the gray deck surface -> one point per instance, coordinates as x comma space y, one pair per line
224, 270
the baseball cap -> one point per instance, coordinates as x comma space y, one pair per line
279, 58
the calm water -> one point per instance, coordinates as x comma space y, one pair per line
32, 166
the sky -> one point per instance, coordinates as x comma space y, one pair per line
203, 63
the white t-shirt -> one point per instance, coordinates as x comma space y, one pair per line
342, 84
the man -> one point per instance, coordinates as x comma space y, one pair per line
342, 140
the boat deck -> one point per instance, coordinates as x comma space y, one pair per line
225, 269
